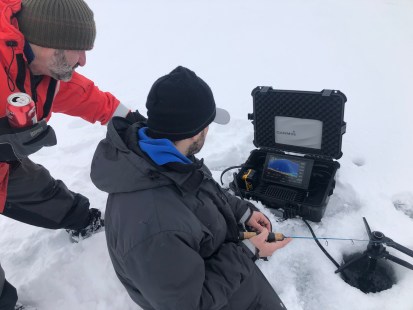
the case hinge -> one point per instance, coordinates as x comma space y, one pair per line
271, 150
315, 156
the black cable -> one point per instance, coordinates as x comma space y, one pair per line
237, 189
319, 244
233, 167
10, 82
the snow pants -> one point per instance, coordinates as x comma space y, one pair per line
8, 294
34, 197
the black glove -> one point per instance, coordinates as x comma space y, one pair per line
18, 143
135, 117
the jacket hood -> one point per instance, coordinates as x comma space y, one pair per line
119, 165
9, 29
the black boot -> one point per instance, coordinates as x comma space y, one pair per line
96, 224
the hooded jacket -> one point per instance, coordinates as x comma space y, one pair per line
77, 97
172, 231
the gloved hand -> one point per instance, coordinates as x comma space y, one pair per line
135, 117
18, 143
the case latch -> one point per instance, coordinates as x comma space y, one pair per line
326, 92
343, 128
264, 89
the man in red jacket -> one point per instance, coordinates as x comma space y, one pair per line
41, 44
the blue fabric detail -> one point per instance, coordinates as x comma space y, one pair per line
28, 52
161, 151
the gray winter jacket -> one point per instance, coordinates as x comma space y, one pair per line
2, 279
172, 232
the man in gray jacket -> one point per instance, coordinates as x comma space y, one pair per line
171, 230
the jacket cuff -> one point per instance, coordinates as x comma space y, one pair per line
246, 216
252, 207
121, 111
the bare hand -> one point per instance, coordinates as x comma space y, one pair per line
258, 221
267, 248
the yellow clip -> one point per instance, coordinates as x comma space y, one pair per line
248, 184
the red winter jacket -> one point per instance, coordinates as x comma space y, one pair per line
78, 97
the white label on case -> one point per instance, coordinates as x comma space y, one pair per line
298, 131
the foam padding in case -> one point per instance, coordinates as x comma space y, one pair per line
326, 107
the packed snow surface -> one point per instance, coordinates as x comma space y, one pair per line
363, 48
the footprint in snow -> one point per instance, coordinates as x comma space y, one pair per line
359, 161
403, 202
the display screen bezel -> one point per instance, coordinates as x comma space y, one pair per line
306, 174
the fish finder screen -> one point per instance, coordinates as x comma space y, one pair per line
287, 170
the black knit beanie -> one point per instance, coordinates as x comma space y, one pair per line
58, 24
180, 105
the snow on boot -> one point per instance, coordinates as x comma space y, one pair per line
20, 306
96, 224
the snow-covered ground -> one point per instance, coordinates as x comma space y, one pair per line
362, 47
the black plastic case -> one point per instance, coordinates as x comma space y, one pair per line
319, 117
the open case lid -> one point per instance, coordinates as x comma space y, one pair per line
299, 121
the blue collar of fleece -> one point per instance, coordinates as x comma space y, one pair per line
161, 151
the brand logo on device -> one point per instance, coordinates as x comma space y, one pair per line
287, 133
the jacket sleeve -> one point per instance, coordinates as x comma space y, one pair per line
81, 97
171, 274
4, 176
242, 209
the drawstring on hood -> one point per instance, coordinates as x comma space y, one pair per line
10, 82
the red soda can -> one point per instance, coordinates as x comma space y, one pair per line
21, 110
